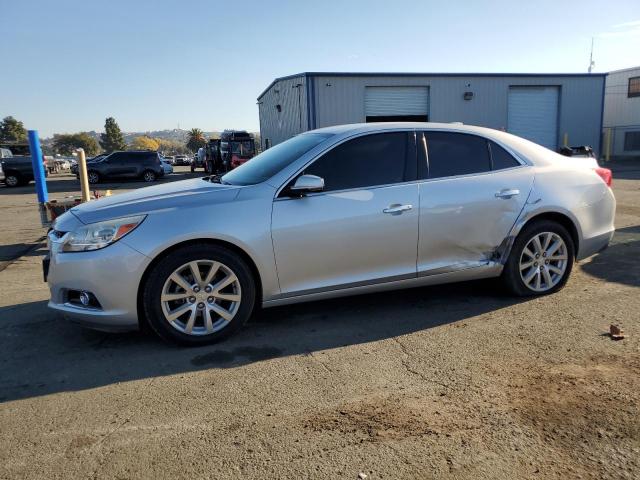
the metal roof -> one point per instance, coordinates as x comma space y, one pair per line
416, 74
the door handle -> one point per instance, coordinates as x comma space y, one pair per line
397, 208
508, 193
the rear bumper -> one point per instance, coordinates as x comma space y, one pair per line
593, 245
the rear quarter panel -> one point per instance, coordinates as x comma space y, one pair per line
576, 192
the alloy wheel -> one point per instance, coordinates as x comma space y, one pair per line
201, 297
11, 181
93, 177
149, 176
543, 261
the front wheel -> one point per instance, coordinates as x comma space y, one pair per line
540, 261
198, 295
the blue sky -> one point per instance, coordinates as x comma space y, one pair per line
66, 65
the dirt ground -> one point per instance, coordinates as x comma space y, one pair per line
455, 381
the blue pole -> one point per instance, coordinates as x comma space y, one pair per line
38, 167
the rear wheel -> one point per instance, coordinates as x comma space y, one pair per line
93, 177
540, 261
149, 176
198, 295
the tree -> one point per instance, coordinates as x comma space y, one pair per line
67, 143
112, 139
171, 147
144, 143
12, 130
195, 139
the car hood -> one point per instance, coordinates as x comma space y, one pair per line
152, 199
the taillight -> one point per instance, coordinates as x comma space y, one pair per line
605, 175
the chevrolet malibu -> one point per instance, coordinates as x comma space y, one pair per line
336, 211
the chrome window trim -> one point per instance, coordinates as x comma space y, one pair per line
331, 147
519, 158
467, 175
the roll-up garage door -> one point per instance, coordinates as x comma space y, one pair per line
396, 104
533, 114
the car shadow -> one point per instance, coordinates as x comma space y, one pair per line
16, 250
41, 353
620, 262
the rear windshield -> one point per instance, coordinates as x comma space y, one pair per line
271, 161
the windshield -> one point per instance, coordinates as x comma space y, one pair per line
271, 161
242, 148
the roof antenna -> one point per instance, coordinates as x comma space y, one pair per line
591, 62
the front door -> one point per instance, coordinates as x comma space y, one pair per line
115, 166
362, 229
470, 200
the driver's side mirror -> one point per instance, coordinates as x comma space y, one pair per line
306, 184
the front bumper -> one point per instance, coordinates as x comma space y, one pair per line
111, 274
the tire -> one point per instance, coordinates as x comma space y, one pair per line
149, 176
196, 306
93, 177
540, 274
12, 180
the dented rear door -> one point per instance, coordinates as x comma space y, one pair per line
463, 219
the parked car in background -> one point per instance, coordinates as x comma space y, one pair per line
198, 160
145, 165
330, 212
97, 158
182, 160
169, 159
168, 169
17, 170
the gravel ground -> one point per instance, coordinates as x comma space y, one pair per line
455, 381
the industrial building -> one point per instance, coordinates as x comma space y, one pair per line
545, 108
622, 112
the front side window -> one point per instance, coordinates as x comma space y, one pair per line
451, 154
367, 161
634, 87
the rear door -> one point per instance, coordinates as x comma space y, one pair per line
362, 229
472, 192
133, 163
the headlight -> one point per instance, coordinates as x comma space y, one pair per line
99, 235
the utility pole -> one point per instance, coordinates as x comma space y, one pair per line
591, 62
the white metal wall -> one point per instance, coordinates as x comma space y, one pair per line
621, 113
278, 125
340, 99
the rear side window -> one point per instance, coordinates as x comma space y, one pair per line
451, 154
500, 158
367, 161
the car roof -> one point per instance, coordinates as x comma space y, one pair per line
529, 151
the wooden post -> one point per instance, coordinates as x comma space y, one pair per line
82, 170
607, 145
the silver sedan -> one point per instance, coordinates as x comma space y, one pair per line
336, 211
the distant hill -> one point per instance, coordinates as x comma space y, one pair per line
176, 135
